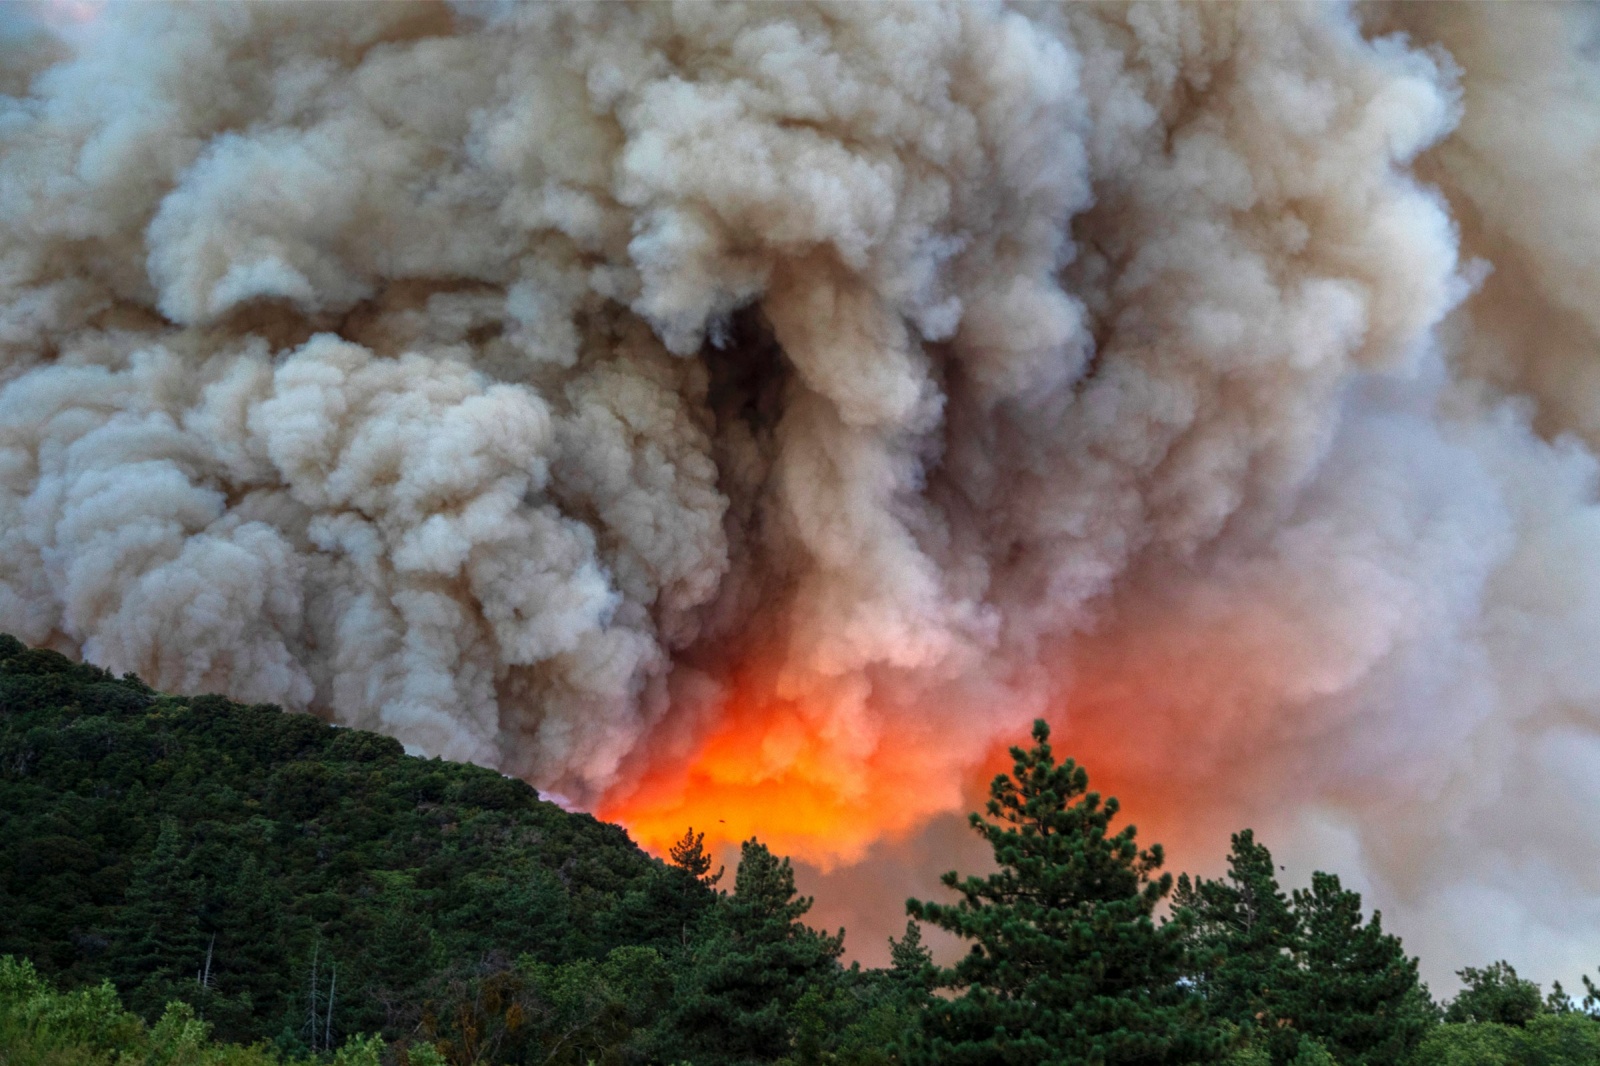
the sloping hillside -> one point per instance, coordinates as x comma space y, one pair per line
255, 862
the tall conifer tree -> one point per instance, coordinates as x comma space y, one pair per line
911, 966
689, 855
749, 970
1360, 994
1067, 967
1244, 937
157, 943
1304, 974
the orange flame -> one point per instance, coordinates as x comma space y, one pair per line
768, 768
1184, 728
777, 768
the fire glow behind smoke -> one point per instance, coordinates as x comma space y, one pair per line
754, 416
763, 772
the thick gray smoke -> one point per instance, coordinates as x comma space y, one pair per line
525, 382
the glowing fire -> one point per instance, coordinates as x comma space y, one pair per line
766, 770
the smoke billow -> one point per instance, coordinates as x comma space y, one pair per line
760, 413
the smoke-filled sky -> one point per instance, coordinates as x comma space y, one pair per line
754, 416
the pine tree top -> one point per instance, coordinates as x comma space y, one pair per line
689, 855
1067, 963
1052, 841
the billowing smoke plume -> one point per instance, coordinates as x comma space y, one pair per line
761, 413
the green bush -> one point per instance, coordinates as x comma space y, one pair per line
1571, 1039
40, 1026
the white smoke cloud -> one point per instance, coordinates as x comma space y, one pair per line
1217, 378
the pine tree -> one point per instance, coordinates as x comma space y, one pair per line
1243, 937
911, 966
690, 886
749, 970
1067, 965
157, 942
247, 945
1359, 992
689, 855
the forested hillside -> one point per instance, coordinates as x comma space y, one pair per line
145, 838
180, 877
298, 883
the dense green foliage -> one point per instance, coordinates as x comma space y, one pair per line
198, 849
1067, 965
1243, 937
1302, 975
750, 969
1495, 994
41, 1026
211, 884
298, 883
1547, 1040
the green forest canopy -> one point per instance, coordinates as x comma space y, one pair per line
188, 879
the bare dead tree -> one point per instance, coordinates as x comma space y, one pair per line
311, 1009
327, 1032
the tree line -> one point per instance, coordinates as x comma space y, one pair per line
190, 880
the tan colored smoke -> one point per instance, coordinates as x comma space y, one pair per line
581, 389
